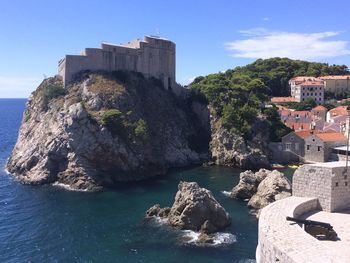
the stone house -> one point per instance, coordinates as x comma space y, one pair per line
304, 87
337, 84
294, 142
336, 112
318, 146
319, 111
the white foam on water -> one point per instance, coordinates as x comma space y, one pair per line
68, 187
224, 238
160, 221
227, 193
192, 237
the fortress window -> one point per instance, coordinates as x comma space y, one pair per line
346, 183
308, 147
336, 184
319, 148
169, 83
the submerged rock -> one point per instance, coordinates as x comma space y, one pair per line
195, 209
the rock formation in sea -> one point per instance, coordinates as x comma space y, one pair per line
262, 188
106, 128
194, 208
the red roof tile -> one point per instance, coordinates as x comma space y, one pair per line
331, 136
283, 99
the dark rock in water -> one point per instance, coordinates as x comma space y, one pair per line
195, 209
248, 184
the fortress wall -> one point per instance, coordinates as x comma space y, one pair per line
325, 181
152, 57
284, 241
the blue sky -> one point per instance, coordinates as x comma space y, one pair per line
211, 36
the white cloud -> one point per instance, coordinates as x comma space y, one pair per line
187, 80
266, 19
261, 43
17, 87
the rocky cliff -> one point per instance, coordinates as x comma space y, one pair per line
230, 149
107, 128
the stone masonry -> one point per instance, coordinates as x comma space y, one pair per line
329, 182
153, 57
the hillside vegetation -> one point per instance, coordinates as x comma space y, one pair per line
236, 95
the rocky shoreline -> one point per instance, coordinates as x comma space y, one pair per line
96, 133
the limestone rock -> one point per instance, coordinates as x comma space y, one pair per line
248, 184
156, 210
231, 149
274, 187
64, 137
195, 209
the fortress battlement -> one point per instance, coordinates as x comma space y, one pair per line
153, 57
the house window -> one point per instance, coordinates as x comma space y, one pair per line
319, 148
292, 138
308, 147
288, 146
297, 146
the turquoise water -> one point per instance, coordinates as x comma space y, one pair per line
50, 224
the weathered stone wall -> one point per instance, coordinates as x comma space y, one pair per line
278, 155
329, 182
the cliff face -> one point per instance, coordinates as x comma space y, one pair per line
105, 129
230, 149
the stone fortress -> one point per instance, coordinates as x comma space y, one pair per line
153, 57
321, 192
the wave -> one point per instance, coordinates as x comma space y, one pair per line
219, 239
6, 171
159, 221
227, 193
68, 187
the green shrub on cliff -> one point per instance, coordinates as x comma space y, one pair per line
141, 130
51, 91
113, 120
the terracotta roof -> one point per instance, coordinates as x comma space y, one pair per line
331, 136
283, 99
301, 113
304, 134
311, 83
285, 112
305, 78
319, 108
341, 110
335, 77
298, 125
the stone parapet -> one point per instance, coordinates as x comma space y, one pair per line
284, 241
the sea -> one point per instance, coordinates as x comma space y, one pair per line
54, 224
